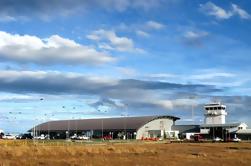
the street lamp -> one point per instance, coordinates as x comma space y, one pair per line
102, 124
68, 126
125, 124
76, 123
68, 129
193, 99
48, 124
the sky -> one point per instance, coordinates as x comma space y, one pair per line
112, 58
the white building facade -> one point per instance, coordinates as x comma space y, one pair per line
157, 128
215, 113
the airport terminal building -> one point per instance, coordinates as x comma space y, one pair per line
145, 127
114, 128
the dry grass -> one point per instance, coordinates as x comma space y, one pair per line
26, 153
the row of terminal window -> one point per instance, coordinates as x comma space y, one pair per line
215, 108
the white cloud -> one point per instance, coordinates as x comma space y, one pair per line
49, 51
161, 77
6, 18
14, 97
93, 37
219, 78
211, 9
142, 33
242, 13
143, 29
170, 104
216, 77
195, 37
123, 44
212, 75
154, 25
195, 34
184, 102
166, 104
105, 46
127, 71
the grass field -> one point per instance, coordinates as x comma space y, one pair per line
22, 153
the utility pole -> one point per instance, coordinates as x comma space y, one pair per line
192, 112
213, 133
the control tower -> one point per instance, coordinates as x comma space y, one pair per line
215, 113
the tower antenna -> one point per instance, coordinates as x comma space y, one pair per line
192, 102
215, 100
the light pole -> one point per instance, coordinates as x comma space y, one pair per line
48, 128
102, 125
36, 134
125, 127
192, 112
125, 114
35, 128
192, 102
125, 124
76, 123
67, 136
68, 129
48, 124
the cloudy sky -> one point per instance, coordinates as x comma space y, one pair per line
108, 58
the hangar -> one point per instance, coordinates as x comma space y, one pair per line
114, 128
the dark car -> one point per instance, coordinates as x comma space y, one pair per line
1, 135
24, 136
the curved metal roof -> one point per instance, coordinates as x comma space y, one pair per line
119, 123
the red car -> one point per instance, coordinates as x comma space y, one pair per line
107, 137
197, 137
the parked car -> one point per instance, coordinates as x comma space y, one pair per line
24, 136
9, 136
217, 139
42, 137
107, 137
75, 136
83, 137
236, 139
79, 137
198, 137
